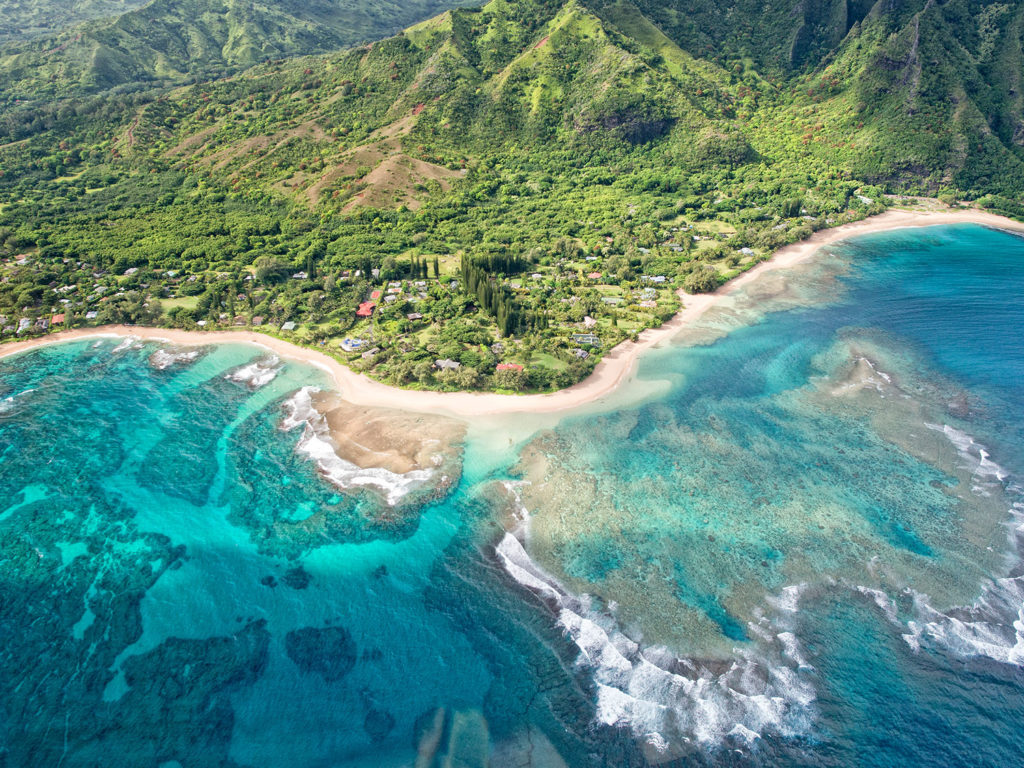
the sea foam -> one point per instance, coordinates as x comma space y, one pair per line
993, 626
315, 443
8, 404
163, 359
256, 374
975, 459
663, 699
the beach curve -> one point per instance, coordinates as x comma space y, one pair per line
613, 370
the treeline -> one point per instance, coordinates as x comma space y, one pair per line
495, 299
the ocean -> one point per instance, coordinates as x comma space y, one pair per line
797, 545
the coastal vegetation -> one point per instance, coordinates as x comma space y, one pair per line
494, 197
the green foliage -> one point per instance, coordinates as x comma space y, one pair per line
566, 165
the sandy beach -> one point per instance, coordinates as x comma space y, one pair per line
617, 366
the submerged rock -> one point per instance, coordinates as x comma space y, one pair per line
327, 651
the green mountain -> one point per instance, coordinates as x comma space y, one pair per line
591, 144
24, 19
168, 41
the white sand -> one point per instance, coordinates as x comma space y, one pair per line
612, 370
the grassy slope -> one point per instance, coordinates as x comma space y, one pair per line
533, 128
25, 19
170, 40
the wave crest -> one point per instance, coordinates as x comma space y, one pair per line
316, 444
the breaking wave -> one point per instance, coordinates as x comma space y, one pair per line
256, 374
316, 444
129, 342
665, 700
8, 404
163, 359
985, 473
993, 626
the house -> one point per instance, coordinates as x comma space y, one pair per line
258, 320
414, 316
594, 275
582, 354
537, 276
390, 299
611, 299
289, 326
370, 353
42, 323
374, 295
509, 367
658, 279
366, 309
648, 304
588, 321
92, 314
497, 347
130, 271
747, 251
57, 320
352, 345
587, 338
24, 324
447, 365
201, 323
300, 276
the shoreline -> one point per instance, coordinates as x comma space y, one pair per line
613, 369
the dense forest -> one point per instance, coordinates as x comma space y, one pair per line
524, 184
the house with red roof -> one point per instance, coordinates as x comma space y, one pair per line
509, 367
366, 308
57, 320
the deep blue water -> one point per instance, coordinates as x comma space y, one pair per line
802, 553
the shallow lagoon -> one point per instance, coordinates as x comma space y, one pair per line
777, 561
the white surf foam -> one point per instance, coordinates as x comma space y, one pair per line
163, 359
9, 402
993, 627
129, 342
256, 374
663, 699
975, 459
316, 444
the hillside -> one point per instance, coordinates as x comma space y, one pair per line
25, 19
541, 171
169, 41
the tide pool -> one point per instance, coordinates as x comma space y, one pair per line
803, 553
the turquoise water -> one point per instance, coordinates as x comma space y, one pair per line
804, 552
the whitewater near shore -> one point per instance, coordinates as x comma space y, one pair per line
615, 368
